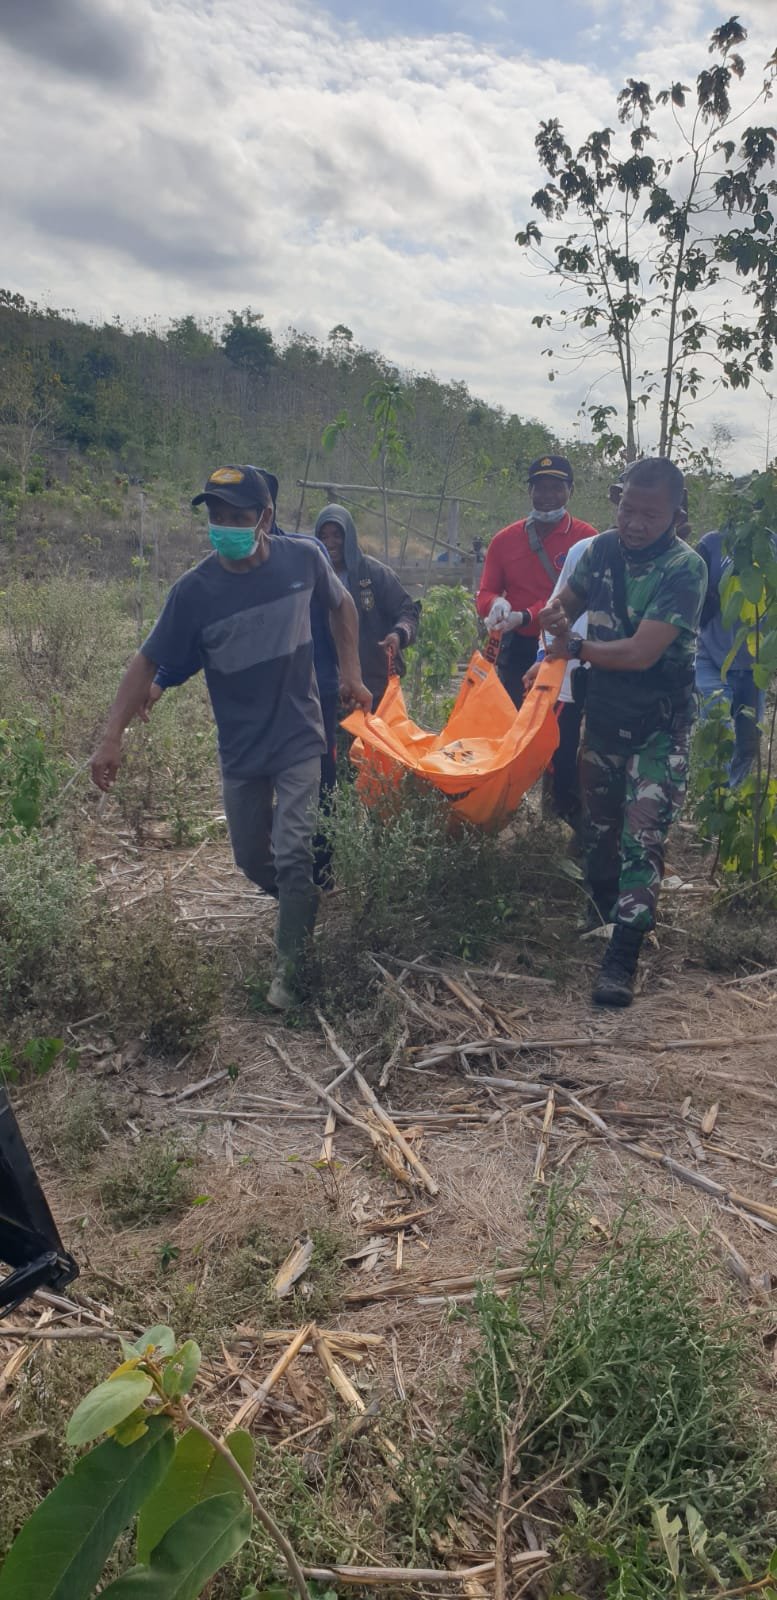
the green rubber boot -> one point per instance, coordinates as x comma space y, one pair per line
296, 920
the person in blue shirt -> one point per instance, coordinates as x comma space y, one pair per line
243, 615
715, 642
327, 678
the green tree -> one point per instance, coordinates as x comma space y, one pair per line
29, 406
187, 336
649, 273
247, 344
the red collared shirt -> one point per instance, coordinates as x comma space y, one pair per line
513, 569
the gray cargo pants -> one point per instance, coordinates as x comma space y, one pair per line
273, 845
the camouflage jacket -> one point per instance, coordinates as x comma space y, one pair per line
669, 587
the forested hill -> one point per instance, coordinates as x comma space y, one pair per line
95, 420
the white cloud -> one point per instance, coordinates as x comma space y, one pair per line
273, 157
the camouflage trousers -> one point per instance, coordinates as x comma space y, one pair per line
629, 804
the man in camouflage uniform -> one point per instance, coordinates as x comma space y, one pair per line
643, 589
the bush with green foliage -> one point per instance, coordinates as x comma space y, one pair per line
412, 879
64, 953
44, 908
628, 1397
447, 635
29, 776
153, 1183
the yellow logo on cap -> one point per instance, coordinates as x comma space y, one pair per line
546, 462
226, 475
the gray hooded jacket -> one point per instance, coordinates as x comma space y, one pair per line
382, 603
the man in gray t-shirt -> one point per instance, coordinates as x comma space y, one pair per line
244, 614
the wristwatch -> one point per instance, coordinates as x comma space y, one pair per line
575, 642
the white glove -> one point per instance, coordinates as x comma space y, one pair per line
502, 619
498, 614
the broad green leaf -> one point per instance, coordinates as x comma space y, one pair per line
771, 1570
107, 1405
196, 1473
62, 1549
192, 1550
669, 1534
160, 1337
752, 581
182, 1369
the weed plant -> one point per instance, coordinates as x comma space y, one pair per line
154, 1183
630, 1397
63, 954
238, 1285
413, 880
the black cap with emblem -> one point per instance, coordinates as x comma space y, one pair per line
551, 467
238, 486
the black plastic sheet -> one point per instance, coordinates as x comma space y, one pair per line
29, 1241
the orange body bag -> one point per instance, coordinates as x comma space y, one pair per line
486, 757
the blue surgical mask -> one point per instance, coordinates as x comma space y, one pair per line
235, 544
549, 516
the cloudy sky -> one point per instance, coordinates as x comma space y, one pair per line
365, 161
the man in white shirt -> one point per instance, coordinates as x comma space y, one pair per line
564, 784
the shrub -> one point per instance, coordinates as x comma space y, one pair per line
447, 634
630, 1397
44, 908
63, 952
153, 977
153, 1183
170, 769
62, 632
411, 879
29, 774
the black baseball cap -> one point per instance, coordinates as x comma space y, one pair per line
551, 467
238, 486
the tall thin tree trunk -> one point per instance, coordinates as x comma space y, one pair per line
303, 486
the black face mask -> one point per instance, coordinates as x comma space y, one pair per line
650, 551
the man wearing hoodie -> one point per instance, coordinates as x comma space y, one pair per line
716, 645
244, 614
388, 618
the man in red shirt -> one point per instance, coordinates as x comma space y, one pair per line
522, 564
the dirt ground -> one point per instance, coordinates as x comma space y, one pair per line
496, 1080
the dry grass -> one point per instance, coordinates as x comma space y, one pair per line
208, 1266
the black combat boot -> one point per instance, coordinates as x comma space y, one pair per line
617, 974
600, 903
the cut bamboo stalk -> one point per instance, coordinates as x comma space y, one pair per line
413, 1161
253, 1404
391, 1224
371, 1099
370, 1576
469, 1001
544, 1139
339, 1380
328, 1142
396, 1052
709, 1119
297, 1262
444, 1286
753, 977
91, 1332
